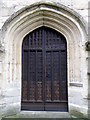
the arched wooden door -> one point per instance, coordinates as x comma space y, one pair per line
44, 71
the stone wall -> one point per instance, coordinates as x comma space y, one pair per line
56, 16
8, 7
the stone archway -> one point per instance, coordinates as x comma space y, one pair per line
63, 20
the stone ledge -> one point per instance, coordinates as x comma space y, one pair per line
76, 84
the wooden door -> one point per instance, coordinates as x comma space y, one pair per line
44, 71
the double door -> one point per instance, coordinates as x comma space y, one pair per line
44, 71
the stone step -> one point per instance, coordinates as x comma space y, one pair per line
40, 114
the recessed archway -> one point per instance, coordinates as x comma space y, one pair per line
51, 15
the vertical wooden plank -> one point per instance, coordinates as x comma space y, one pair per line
40, 39
30, 41
28, 68
56, 75
36, 38
51, 39
59, 73
63, 75
36, 46
28, 52
52, 76
33, 42
44, 65
24, 76
32, 75
36, 75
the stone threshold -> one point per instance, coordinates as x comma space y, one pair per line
41, 114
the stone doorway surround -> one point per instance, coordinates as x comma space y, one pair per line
58, 17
